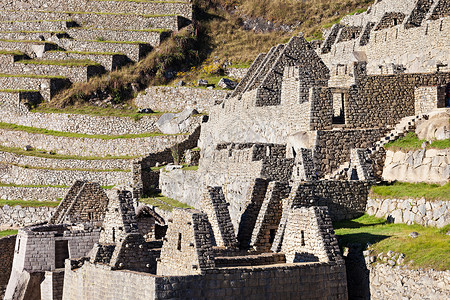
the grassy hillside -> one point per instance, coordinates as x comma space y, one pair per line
229, 41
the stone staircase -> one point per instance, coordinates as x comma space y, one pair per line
45, 46
405, 125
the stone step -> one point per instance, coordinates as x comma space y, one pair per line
152, 37
47, 86
109, 61
182, 8
39, 25
100, 20
29, 47
75, 71
134, 51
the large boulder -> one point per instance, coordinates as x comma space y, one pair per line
437, 127
227, 84
170, 123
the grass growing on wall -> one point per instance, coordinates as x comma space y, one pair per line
32, 185
96, 111
411, 142
430, 250
412, 190
46, 154
30, 203
35, 130
4, 233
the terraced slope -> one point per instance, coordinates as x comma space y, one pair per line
74, 40
46, 46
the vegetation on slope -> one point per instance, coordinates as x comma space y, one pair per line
431, 249
401, 190
218, 36
411, 142
122, 84
163, 202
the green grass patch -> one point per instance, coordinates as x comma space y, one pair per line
190, 168
31, 185
30, 203
4, 233
430, 250
32, 76
412, 190
66, 63
18, 91
164, 203
95, 111
68, 169
84, 53
6, 52
45, 154
26, 41
411, 142
34, 130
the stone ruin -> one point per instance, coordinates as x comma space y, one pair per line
296, 146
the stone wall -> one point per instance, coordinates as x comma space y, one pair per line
378, 101
429, 98
333, 147
388, 282
410, 211
66, 164
183, 8
17, 216
7, 245
31, 193
77, 123
237, 73
345, 199
424, 165
396, 44
311, 280
11, 174
173, 99
90, 146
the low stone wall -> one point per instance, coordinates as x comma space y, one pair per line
52, 163
7, 245
152, 38
84, 124
311, 280
32, 193
146, 8
164, 98
388, 282
410, 211
18, 216
11, 174
74, 73
424, 165
90, 146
